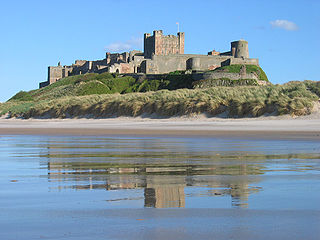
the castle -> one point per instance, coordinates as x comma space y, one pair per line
162, 54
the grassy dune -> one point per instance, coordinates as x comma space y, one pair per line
106, 83
295, 98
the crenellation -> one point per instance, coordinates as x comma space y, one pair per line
162, 54
158, 44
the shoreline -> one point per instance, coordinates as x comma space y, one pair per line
252, 128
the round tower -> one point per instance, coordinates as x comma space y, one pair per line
239, 49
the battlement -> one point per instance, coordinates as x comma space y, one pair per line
159, 44
157, 32
162, 54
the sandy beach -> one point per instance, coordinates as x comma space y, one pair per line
265, 127
175, 178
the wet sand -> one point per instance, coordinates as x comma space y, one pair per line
170, 224
263, 128
105, 187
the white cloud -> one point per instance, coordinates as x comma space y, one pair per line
118, 47
125, 46
284, 24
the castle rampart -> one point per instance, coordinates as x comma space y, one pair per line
162, 54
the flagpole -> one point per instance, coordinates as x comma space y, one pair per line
178, 25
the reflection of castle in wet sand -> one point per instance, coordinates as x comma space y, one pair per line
159, 191
164, 186
161, 194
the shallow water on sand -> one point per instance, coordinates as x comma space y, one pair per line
85, 187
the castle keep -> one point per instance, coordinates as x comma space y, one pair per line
162, 54
158, 44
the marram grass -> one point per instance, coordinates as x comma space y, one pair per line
295, 98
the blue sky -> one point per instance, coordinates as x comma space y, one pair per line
283, 34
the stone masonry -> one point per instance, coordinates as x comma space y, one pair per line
162, 54
158, 44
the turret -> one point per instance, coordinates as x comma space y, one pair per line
181, 42
239, 49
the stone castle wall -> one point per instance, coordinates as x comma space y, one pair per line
224, 75
162, 54
245, 61
159, 44
165, 64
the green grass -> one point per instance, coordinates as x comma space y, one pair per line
107, 83
22, 96
153, 85
103, 95
249, 69
295, 98
92, 87
177, 72
104, 83
313, 86
16, 106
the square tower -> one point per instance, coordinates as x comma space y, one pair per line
159, 44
